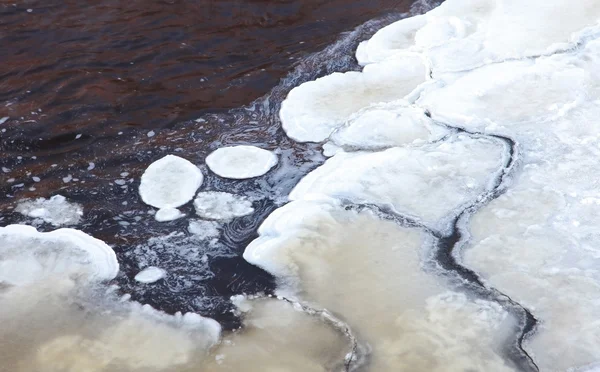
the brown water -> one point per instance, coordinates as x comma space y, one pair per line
97, 88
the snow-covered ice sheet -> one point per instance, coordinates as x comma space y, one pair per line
56, 210
369, 271
429, 182
240, 162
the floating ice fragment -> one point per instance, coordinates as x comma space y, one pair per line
4, 119
56, 210
170, 182
168, 214
150, 274
239, 162
216, 205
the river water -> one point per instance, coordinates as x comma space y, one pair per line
92, 92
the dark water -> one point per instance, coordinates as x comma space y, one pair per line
86, 81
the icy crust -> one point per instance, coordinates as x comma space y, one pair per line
55, 210
484, 31
538, 242
428, 182
216, 205
314, 109
170, 182
386, 125
28, 256
240, 162
341, 260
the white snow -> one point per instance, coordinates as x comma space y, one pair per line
28, 256
56, 210
150, 274
170, 182
216, 205
239, 162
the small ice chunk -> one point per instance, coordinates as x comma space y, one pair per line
239, 162
67, 179
3, 119
168, 214
35, 179
91, 166
218, 205
56, 210
150, 274
170, 182
150, 134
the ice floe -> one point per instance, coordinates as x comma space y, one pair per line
56, 210
240, 162
217, 205
170, 182
28, 256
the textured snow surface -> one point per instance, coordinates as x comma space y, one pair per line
218, 205
239, 162
55, 210
170, 182
28, 256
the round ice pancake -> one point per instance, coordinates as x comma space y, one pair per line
170, 182
239, 162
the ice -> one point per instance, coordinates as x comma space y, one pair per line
150, 274
483, 31
342, 259
168, 214
239, 162
204, 229
55, 210
314, 109
170, 182
428, 182
538, 242
279, 337
60, 335
216, 205
28, 256
386, 125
